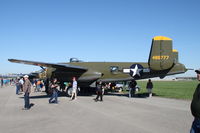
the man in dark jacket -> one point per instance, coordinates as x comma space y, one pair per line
132, 88
149, 87
195, 107
99, 91
54, 87
27, 91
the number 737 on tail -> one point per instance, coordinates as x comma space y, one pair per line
163, 61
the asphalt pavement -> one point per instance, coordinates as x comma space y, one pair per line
116, 114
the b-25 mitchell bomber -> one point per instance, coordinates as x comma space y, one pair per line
163, 61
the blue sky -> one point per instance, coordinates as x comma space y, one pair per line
95, 30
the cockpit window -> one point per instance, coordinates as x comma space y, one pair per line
114, 69
75, 60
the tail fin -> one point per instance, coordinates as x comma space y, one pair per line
175, 55
162, 56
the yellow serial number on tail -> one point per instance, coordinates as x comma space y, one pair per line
163, 57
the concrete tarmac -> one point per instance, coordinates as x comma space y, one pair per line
116, 114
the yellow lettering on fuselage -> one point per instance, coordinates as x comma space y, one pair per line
163, 57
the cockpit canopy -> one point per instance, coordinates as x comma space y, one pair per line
75, 60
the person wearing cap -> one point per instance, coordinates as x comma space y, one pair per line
195, 107
27, 91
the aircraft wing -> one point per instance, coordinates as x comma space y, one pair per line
67, 67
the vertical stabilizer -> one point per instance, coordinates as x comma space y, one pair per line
175, 54
161, 55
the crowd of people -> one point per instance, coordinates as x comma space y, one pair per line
6, 82
53, 87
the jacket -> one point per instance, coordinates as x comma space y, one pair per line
149, 85
54, 86
132, 84
27, 86
195, 105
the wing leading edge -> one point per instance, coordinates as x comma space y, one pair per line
68, 67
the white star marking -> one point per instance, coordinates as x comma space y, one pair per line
135, 71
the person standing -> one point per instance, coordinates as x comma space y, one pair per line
17, 86
149, 87
38, 87
195, 107
132, 88
27, 91
1, 82
21, 81
99, 92
47, 85
54, 87
74, 89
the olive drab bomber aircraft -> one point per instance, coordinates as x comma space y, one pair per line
163, 61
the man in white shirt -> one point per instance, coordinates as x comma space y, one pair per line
74, 89
21, 82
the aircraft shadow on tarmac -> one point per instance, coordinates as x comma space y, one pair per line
140, 95
37, 97
60, 94
63, 94
31, 105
